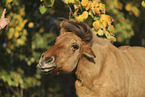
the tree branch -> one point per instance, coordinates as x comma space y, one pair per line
13, 90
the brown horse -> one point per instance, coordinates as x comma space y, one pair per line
102, 70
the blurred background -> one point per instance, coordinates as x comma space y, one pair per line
34, 25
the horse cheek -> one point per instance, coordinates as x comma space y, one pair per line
71, 63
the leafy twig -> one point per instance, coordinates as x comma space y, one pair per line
71, 12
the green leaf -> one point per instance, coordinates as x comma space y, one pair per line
100, 32
50, 3
111, 28
109, 37
71, 1
42, 9
92, 15
143, 3
20, 42
68, 1
96, 18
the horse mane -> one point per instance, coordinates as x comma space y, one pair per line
79, 28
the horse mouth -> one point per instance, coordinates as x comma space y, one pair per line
47, 68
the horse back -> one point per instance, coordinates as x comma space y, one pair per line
135, 59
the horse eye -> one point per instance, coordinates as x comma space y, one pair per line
75, 47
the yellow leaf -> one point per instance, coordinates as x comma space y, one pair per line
128, 6
22, 86
97, 0
25, 21
18, 17
22, 11
19, 69
20, 42
10, 46
89, 5
80, 18
68, 1
104, 23
97, 5
11, 14
102, 6
16, 34
97, 10
9, 1
105, 19
31, 25
143, 3
41, 30
93, 4
85, 14
32, 59
135, 11
84, 2
9, 6
11, 33
25, 32
12, 30
118, 4
65, 1
18, 28
96, 24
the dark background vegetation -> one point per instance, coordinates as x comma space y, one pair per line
31, 33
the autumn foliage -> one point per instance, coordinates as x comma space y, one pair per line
34, 26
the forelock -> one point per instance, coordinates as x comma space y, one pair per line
79, 28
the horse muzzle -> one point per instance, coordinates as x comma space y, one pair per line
46, 68
46, 64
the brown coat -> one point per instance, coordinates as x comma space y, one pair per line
102, 70
118, 72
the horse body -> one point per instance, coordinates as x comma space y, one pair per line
102, 70
117, 73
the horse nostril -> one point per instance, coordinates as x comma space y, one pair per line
49, 59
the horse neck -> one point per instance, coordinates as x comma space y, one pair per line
97, 40
88, 71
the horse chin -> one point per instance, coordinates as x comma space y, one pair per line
46, 67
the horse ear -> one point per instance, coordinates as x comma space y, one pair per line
88, 53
